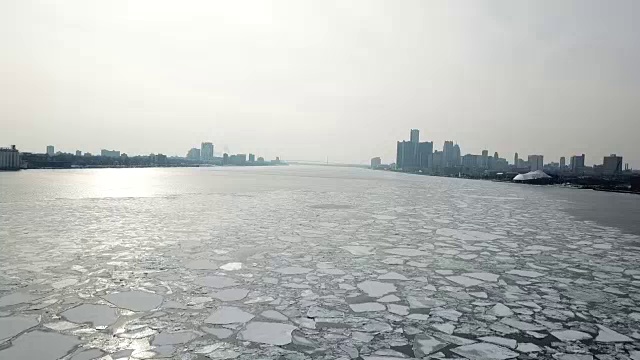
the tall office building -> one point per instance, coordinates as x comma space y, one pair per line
425, 149
457, 158
485, 159
78, 153
225, 159
563, 162
447, 154
51, 150
412, 155
415, 136
193, 154
536, 162
612, 164
206, 151
515, 160
252, 158
577, 163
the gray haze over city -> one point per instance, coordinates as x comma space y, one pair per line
311, 80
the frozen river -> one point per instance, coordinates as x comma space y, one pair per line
312, 262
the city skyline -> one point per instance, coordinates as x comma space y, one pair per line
535, 77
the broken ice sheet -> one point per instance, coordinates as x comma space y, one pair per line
96, 314
484, 351
464, 281
135, 300
232, 266
376, 288
228, 315
11, 326
267, 333
231, 294
40, 345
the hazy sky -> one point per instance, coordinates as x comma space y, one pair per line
310, 79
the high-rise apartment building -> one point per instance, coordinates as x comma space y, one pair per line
51, 150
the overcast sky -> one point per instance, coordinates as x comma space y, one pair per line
310, 79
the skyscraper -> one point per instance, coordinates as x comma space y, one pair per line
51, 150
375, 162
425, 149
447, 154
535, 162
485, 159
206, 151
563, 162
252, 158
457, 158
515, 160
415, 136
577, 163
78, 153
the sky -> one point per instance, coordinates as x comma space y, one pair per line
311, 80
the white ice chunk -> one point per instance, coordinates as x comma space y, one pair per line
528, 348
608, 335
274, 315
267, 333
359, 250
11, 326
573, 357
525, 273
376, 288
398, 309
484, 276
98, 315
135, 300
570, 335
389, 299
392, 276
228, 315
231, 266
521, 325
406, 252
467, 235
445, 328
365, 307
464, 281
511, 343
218, 332
448, 314
479, 294
231, 294
484, 351
40, 345
17, 298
